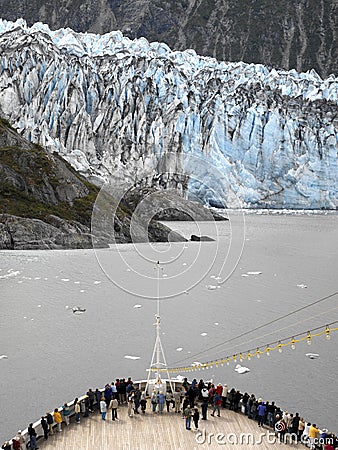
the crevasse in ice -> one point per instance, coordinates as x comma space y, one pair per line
245, 134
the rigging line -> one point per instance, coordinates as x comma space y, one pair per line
258, 328
282, 329
279, 341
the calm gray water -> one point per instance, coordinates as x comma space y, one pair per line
55, 355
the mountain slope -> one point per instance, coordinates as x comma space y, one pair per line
44, 203
232, 133
299, 34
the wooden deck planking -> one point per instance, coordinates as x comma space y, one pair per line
152, 432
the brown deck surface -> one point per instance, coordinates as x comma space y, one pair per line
155, 432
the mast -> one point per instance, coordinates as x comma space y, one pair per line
158, 360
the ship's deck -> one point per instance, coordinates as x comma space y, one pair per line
157, 432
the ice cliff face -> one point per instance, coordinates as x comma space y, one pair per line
110, 105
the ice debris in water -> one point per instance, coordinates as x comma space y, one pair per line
137, 306
204, 334
3, 357
312, 355
302, 286
254, 273
211, 287
132, 357
179, 349
11, 273
241, 369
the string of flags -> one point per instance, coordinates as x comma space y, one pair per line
279, 345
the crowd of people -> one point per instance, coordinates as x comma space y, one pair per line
185, 400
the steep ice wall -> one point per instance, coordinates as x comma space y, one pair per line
112, 105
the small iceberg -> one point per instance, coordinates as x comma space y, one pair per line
241, 369
179, 349
244, 275
132, 357
302, 286
254, 273
78, 310
204, 334
3, 357
211, 287
64, 279
97, 282
312, 355
137, 306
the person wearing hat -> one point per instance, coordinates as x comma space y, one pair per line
22, 440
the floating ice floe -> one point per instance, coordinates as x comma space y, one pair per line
3, 357
164, 275
216, 323
11, 273
76, 282
67, 307
204, 334
132, 357
212, 276
244, 275
137, 306
184, 264
302, 286
39, 306
64, 279
211, 287
179, 349
254, 273
312, 355
82, 290
78, 310
241, 369
97, 282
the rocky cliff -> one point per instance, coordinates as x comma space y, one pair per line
45, 204
289, 34
231, 134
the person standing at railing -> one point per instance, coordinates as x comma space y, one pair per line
16, 443
58, 419
50, 422
32, 437
77, 411
66, 413
44, 425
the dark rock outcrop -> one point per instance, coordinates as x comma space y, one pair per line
195, 238
45, 204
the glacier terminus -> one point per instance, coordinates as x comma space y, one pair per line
114, 106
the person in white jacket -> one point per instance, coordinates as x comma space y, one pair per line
103, 408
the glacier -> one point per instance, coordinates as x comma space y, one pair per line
230, 134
